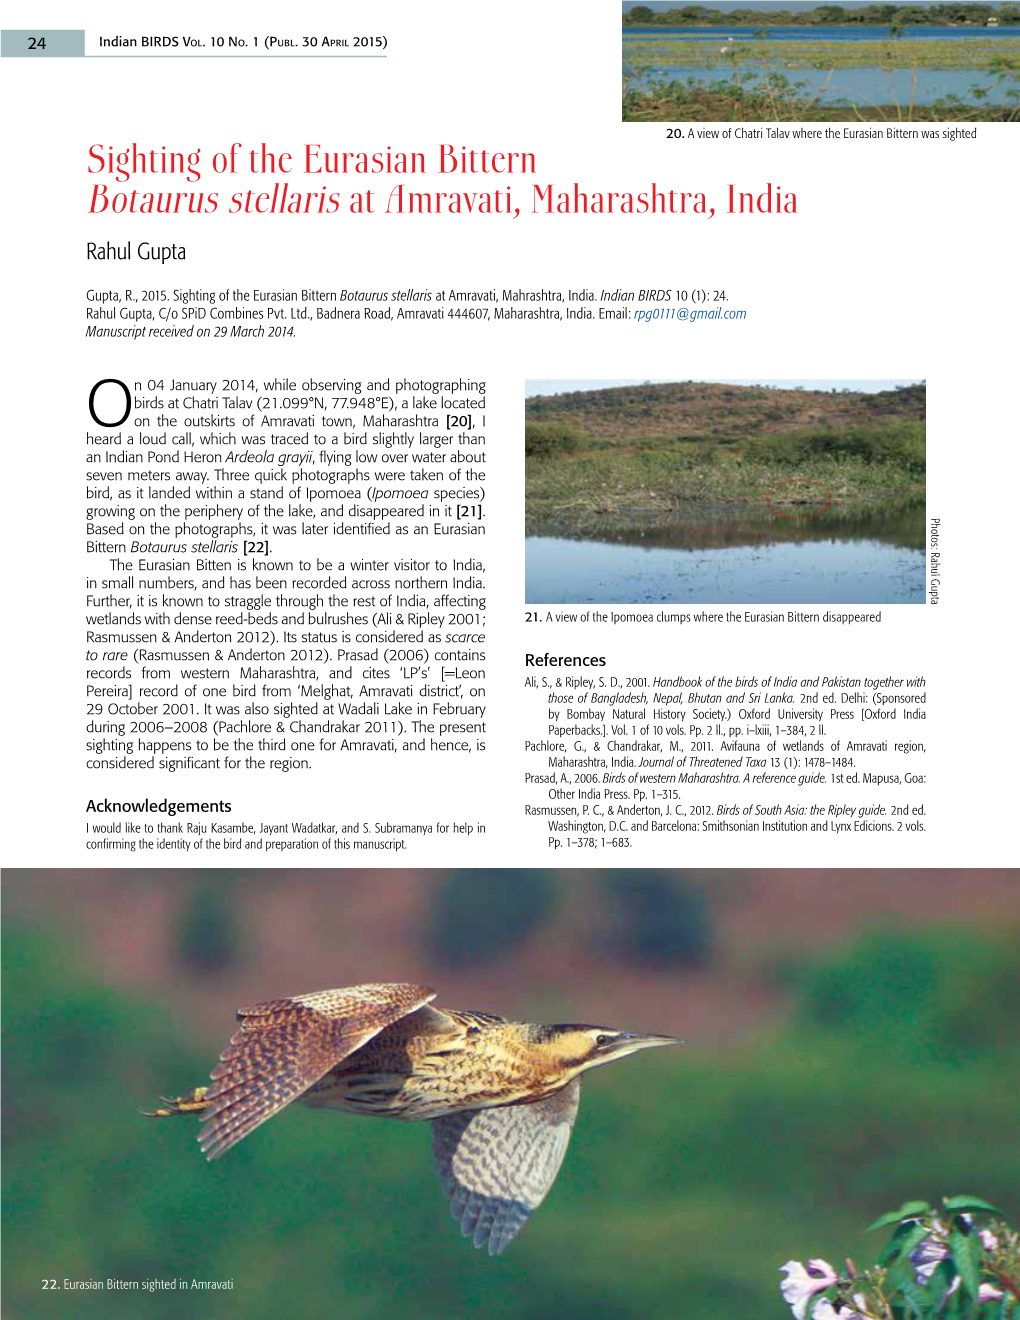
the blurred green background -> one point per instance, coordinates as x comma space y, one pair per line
852, 1043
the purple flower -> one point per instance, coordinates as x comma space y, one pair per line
932, 1251
929, 1253
800, 1284
826, 1311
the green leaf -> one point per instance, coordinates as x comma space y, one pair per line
940, 1282
916, 1299
965, 1250
903, 1242
908, 1210
898, 1274
964, 1203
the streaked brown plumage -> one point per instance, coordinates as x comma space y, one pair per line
502, 1096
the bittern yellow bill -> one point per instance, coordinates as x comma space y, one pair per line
501, 1096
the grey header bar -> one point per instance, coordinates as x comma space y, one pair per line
38, 43
41, 43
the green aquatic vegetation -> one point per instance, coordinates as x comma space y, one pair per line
901, 447
744, 96
765, 95
856, 468
899, 53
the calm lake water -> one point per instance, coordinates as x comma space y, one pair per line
855, 33
869, 560
859, 86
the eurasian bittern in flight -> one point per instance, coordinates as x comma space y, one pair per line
502, 1096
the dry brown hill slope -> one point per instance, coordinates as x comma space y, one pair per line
700, 410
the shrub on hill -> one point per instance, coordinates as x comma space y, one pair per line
900, 445
548, 439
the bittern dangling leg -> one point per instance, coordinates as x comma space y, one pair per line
191, 1102
502, 1096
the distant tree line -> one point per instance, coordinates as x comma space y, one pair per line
659, 918
822, 15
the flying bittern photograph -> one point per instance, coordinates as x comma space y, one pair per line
191, 1058
502, 1096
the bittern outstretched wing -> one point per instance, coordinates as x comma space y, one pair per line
285, 1046
498, 1164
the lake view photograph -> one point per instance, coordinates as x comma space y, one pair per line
725, 492
789, 62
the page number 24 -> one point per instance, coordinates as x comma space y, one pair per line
37, 43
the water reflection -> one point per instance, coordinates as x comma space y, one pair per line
716, 557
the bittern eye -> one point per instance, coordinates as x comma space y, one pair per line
603, 1040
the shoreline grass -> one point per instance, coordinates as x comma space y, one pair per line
860, 470
748, 97
888, 53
